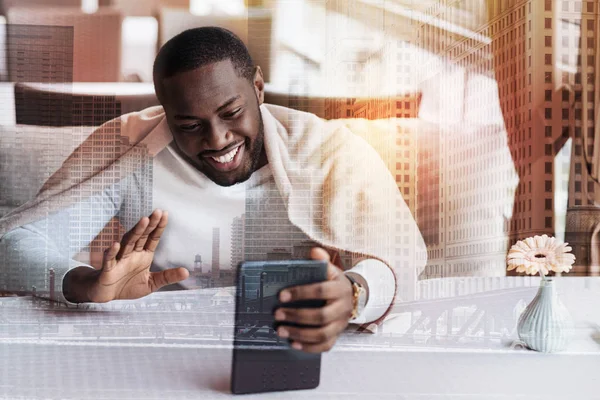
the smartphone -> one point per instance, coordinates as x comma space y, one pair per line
262, 361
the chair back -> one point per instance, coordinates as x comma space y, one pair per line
96, 44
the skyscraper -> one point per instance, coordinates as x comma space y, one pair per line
266, 223
51, 283
237, 241
546, 65
41, 54
465, 173
583, 209
216, 248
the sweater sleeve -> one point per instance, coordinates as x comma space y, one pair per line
380, 286
36, 254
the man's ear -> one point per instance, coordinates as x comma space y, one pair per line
259, 85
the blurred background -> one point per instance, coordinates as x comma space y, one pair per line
484, 110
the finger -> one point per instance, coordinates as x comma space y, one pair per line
131, 237
312, 335
315, 348
167, 277
328, 290
319, 253
110, 257
337, 310
155, 235
154, 220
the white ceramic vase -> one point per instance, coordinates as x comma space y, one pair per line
545, 324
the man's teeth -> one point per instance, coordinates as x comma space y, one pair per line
227, 157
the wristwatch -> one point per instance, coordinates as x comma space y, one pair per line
359, 297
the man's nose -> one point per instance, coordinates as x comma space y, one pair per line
217, 137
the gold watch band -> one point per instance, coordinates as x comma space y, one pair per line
355, 294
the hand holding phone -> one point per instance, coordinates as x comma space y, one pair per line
312, 316
312, 302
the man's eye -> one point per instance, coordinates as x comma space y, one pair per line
233, 113
189, 127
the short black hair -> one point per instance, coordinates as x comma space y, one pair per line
197, 47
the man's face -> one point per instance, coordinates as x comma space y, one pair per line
215, 120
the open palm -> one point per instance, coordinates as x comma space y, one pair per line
125, 272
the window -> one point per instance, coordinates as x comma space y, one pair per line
548, 186
548, 41
591, 187
548, 23
548, 222
578, 187
548, 113
565, 5
565, 95
578, 168
548, 204
548, 149
548, 59
548, 131
590, 6
548, 5
548, 167
590, 43
590, 133
548, 77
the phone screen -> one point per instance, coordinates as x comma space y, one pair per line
262, 361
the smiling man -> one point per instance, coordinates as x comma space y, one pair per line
217, 153
213, 112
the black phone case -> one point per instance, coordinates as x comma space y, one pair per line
263, 362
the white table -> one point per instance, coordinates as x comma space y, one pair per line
178, 345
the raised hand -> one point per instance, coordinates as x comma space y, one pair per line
125, 272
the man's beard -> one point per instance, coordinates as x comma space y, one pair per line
248, 166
